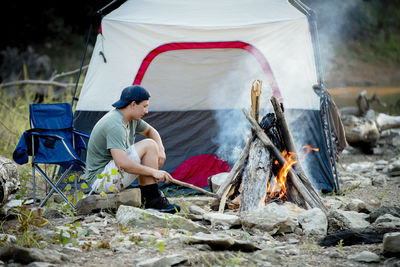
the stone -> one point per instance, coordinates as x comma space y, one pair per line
28, 255
222, 219
314, 222
265, 219
391, 244
387, 221
358, 205
132, 216
339, 220
364, 256
170, 260
395, 211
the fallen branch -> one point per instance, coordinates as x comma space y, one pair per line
37, 82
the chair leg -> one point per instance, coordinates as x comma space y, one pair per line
57, 184
54, 187
34, 186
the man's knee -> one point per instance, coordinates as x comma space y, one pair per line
146, 145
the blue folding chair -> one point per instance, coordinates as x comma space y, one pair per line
52, 139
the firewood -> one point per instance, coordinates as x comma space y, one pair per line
289, 143
313, 200
255, 178
236, 168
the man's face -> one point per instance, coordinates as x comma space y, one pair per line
139, 110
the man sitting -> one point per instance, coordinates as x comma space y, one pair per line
114, 160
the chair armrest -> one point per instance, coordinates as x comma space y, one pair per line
55, 138
86, 135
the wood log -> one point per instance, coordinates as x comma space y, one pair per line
385, 122
95, 202
361, 130
310, 199
9, 179
237, 167
255, 179
290, 146
286, 134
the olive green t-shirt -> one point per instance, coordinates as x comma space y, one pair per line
109, 132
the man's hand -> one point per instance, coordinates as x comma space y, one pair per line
162, 176
161, 158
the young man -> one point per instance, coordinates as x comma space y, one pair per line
113, 153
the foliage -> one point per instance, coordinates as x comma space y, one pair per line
28, 221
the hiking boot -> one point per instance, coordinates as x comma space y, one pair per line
155, 199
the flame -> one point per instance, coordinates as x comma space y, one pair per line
278, 184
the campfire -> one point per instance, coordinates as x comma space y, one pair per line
269, 168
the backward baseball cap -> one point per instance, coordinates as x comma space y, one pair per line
132, 93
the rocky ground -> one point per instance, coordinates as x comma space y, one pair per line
199, 236
277, 235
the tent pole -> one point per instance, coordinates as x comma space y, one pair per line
324, 94
82, 61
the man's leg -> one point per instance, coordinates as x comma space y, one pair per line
152, 197
147, 150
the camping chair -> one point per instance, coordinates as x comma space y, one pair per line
52, 140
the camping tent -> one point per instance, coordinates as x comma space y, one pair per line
198, 59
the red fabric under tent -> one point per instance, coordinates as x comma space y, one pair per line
197, 169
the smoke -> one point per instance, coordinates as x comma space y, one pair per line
335, 18
234, 129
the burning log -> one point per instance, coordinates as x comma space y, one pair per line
308, 194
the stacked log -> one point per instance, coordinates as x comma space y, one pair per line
254, 168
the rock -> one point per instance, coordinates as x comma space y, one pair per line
170, 260
395, 211
201, 201
10, 239
40, 264
268, 256
131, 216
339, 220
365, 256
379, 181
391, 244
221, 242
314, 222
392, 262
387, 221
358, 205
28, 255
196, 210
268, 218
222, 219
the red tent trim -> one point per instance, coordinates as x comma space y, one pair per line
210, 45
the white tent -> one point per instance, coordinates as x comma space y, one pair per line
198, 59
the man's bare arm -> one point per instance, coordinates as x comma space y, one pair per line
130, 166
